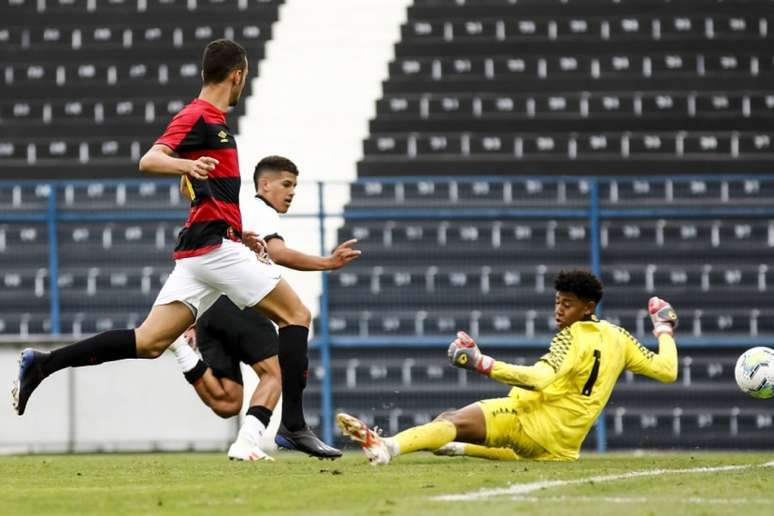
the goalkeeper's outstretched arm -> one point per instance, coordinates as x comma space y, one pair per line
464, 352
535, 377
661, 366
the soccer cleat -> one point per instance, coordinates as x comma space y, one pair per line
243, 450
452, 449
246, 447
30, 376
662, 315
305, 441
373, 445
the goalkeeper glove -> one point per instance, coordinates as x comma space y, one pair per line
662, 315
464, 353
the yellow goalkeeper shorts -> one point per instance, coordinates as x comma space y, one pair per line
504, 429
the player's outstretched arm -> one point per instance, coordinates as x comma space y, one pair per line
160, 159
283, 255
661, 366
463, 352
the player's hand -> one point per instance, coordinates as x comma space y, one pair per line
200, 169
254, 242
663, 316
463, 352
343, 254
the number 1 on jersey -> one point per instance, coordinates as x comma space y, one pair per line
593, 376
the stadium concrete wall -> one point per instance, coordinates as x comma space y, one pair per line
131, 405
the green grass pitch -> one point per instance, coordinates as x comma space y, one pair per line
193, 484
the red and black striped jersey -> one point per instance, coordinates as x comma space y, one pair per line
200, 129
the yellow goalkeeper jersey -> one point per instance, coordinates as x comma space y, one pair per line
561, 395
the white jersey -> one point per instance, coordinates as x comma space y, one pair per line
262, 219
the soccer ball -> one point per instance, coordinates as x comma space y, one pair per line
755, 372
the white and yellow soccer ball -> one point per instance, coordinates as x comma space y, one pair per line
755, 372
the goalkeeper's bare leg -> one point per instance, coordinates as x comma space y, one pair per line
467, 425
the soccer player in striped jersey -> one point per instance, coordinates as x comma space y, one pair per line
554, 402
211, 257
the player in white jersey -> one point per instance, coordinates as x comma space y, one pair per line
275, 180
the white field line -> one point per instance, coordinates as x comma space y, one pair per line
643, 500
520, 489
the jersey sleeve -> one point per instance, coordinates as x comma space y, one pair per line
554, 364
271, 226
262, 220
186, 131
661, 366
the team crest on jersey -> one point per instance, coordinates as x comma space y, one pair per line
223, 135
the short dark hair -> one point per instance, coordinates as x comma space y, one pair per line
220, 57
580, 282
273, 164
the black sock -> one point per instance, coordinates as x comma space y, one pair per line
261, 413
293, 362
306, 372
105, 347
197, 372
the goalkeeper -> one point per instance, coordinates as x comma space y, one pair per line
554, 402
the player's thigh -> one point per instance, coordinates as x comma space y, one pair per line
233, 389
470, 423
504, 428
283, 306
259, 346
234, 270
161, 327
218, 356
268, 368
185, 287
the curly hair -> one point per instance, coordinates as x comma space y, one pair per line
580, 282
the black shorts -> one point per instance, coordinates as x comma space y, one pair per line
226, 335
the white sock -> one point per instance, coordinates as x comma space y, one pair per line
253, 428
392, 446
185, 355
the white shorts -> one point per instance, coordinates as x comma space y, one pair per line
231, 269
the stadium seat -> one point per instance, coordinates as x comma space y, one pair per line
60, 56
24, 243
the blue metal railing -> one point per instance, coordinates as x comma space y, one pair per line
593, 212
53, 264
324, 338
595, 255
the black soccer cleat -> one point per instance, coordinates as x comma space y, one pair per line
305, 441
30, 376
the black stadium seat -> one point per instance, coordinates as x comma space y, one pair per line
550, 70
91, 82
526, 108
